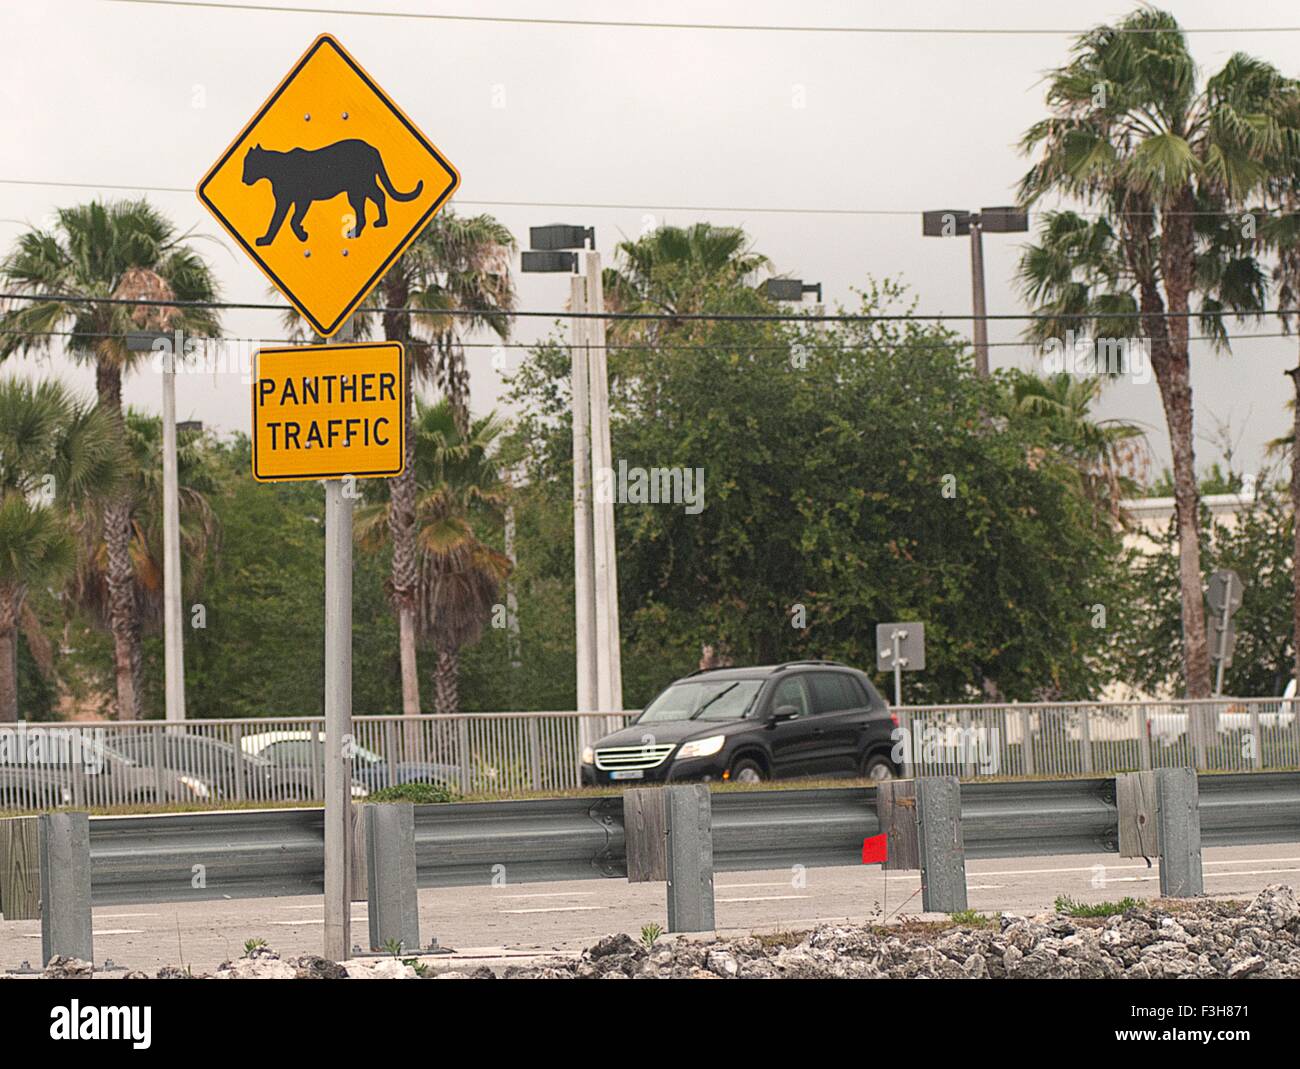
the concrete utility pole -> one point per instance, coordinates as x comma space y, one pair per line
173, 611
584, 572
338, 711
599, 661
609, 666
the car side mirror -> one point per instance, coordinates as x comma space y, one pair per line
784, 712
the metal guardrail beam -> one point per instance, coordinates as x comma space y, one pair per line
213, 762
253, 853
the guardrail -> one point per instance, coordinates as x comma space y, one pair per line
255, 853
213, 762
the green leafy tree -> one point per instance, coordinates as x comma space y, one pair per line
124, 249
1163, 156
260, 651
851, 474
1256, 543
56, 453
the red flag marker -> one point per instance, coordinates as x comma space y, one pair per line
873, 850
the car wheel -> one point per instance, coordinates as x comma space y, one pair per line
746, 770
877, 767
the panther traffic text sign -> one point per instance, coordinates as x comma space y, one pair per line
327, 185
328, 411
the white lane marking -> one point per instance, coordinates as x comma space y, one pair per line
123, 916
1250, 872
556, 909
984, 886
553, 894
1120, 868
737, 886
304, 920
98, 931
764, 898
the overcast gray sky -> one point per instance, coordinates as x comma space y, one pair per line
658, 125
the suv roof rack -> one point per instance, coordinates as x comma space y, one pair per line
793, 664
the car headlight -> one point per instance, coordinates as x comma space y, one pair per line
196, 787
702, 747
588, 755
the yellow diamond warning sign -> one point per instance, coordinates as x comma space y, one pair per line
327, 185
328, 411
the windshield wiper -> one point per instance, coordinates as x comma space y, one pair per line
724, 690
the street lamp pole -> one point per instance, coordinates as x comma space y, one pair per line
595, 571
981, 323
166, 345
584, 570
946, 223
609, 667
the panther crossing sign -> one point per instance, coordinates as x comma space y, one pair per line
327, 185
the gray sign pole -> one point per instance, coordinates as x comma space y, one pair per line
338, 711
1223, 648
898, 668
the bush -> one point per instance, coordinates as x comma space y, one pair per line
419, 793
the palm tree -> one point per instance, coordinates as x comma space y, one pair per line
1281, 234
675, 270
55, 453
142, 490
1104, 454
456, 262
123, 250
458, 487
1162, 157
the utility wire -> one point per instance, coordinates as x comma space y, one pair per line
630, 347
681, 317
748, 209
949, 31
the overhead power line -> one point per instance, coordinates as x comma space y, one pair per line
680, 317
737, 209
672, 347
631, 24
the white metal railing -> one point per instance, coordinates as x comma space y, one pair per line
1070, 738
213, 762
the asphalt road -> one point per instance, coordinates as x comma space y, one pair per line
492, 923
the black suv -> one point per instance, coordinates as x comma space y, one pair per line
804, 718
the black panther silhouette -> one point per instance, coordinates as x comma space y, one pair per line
300, 176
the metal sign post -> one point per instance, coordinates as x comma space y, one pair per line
338, 719
1224, 595
324, 188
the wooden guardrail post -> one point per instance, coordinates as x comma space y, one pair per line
20, 869
1135, 801
896, 813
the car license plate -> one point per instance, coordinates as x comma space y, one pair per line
627, 773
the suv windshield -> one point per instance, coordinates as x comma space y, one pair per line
716, 699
